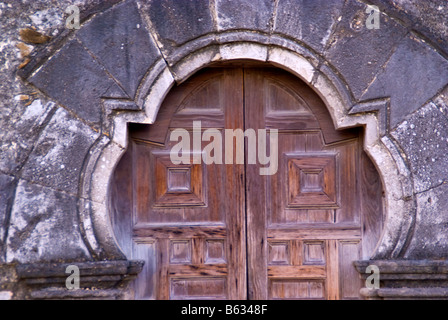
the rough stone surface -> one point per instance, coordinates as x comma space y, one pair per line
39, 215
7, 188
59, 154
441, 101
16, 145
80, 81
8, 278
16, 15
424, 139
126, 49
428, 17
413, 75
309, 21
47, 129
358, 52
252, 15
176, 22
24, 110
431, 225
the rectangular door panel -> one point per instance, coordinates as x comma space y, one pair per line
190, 216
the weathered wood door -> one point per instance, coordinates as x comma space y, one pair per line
223, 231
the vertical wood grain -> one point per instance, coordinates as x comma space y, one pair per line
255, 103
332, 270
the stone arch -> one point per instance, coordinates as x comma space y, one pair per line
330, 88
163, 67
92, 100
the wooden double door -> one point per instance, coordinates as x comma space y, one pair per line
222, 230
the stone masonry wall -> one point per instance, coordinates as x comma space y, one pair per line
52, 111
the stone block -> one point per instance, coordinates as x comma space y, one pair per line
244, 14
44, 226
98, 279
296, 64
429, 239
177, 22
7, 189
309, 21
441, 101
405, 279
120, 41
358, 52
424, 139
426, 17
59, 154
18, 141
77, 81
413, 75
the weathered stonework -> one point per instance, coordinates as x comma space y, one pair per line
58, 154
311, 22
120, 31
37, 217
81, 84
424, 139
407, 78
352, 47
7, 187
63, 122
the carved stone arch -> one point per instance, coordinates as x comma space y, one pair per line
381, 100
307, 65
330, 88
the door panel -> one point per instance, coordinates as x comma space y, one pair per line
193, 213
308, 212
223, 231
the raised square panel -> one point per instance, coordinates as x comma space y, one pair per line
279, 253
181, 185
215, 251
312, 180
314, 253
180, 251
179, 180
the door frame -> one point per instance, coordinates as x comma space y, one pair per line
157, 236
400, 214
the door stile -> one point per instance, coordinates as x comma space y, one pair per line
235, 204
256, 198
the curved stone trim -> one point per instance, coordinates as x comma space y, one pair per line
330, 88
167, 61
57, 156
395, 229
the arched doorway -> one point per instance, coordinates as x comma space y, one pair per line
223, 230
